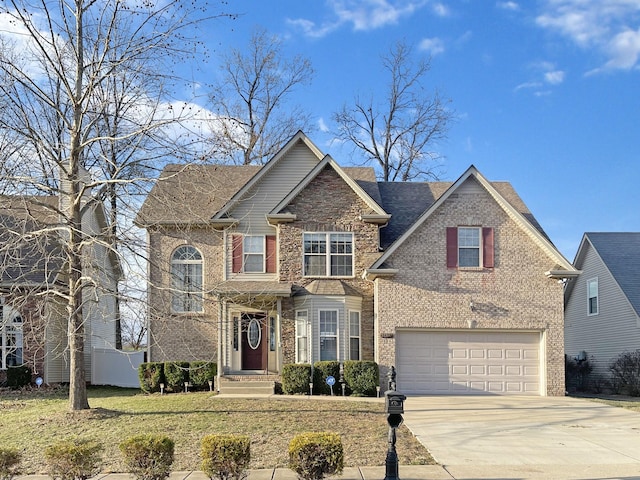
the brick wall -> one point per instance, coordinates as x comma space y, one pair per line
515, 295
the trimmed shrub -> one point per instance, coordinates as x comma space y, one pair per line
9, 462
148, 457
175, 375
18, 377
314, 455
226, 457
625, 373
73, 459
577, 374
151, 375
321, 370
362, 377
200, 373
296, 378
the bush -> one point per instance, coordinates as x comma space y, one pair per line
225, 457
296, 378
577, 373
625, 373
148, 457
314, 455
151, 375
321, 370
362, 377
73, 459
18, 377
175, 375
200, 373
9, 462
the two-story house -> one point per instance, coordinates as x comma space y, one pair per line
303, 260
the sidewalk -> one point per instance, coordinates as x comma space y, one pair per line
409, 472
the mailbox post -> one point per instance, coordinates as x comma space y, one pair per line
394, 408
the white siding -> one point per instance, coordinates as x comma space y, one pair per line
605, 335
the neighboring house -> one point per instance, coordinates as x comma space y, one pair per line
602, 306
33, 325
303, 260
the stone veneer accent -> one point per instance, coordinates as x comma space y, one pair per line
515, 295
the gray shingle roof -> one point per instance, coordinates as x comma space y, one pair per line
406, 201
620, 251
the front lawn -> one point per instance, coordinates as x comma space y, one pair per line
33, 421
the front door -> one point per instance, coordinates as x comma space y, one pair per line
253, 334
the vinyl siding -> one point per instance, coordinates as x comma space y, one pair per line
612, 331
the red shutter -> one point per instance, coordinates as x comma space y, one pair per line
271, 254
452, 247
236, 264
487, 247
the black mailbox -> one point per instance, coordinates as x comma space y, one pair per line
394, 402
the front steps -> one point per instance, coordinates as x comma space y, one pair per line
248, 385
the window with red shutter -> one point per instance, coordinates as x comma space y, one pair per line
271, 254
236, 264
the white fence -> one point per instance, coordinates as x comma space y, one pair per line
115, 367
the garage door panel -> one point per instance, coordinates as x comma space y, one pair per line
455, 362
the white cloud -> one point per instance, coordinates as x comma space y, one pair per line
441, 10
322, 125
362, 15
513, 6
555, 77
611, 28
432, 45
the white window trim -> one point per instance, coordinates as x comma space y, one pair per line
187, 262
9, 326
307, 336
480, 247
263, 254
328, 255
337, 335
359, 337
597, 297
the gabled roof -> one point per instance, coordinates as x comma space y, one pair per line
327, 161
264, 170
399, 201
620, 253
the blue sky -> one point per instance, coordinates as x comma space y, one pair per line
547, 93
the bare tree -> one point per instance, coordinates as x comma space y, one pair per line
399, 135
251, 122
60, 97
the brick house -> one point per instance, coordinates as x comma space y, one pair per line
303, 260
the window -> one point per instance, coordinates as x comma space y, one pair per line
10, 338
328, 334
302, 337
186, 279
592, 296
253, 254
236, 334
272, 334
354, 335
470, 247
328, 254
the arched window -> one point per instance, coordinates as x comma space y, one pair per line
10, 337
186, 279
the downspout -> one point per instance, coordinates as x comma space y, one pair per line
219, 349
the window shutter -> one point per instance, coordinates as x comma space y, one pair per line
452, 247
487, 247
271, 254
236, 264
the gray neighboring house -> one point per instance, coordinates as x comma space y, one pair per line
602, 306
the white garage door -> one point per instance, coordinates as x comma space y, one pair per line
471, 363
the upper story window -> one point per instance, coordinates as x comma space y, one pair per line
186, 280
592, 296
10, 338
470, 247
254, 254
328, 255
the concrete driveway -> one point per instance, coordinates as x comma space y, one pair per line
530, 437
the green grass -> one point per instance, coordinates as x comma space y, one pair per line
32, 421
